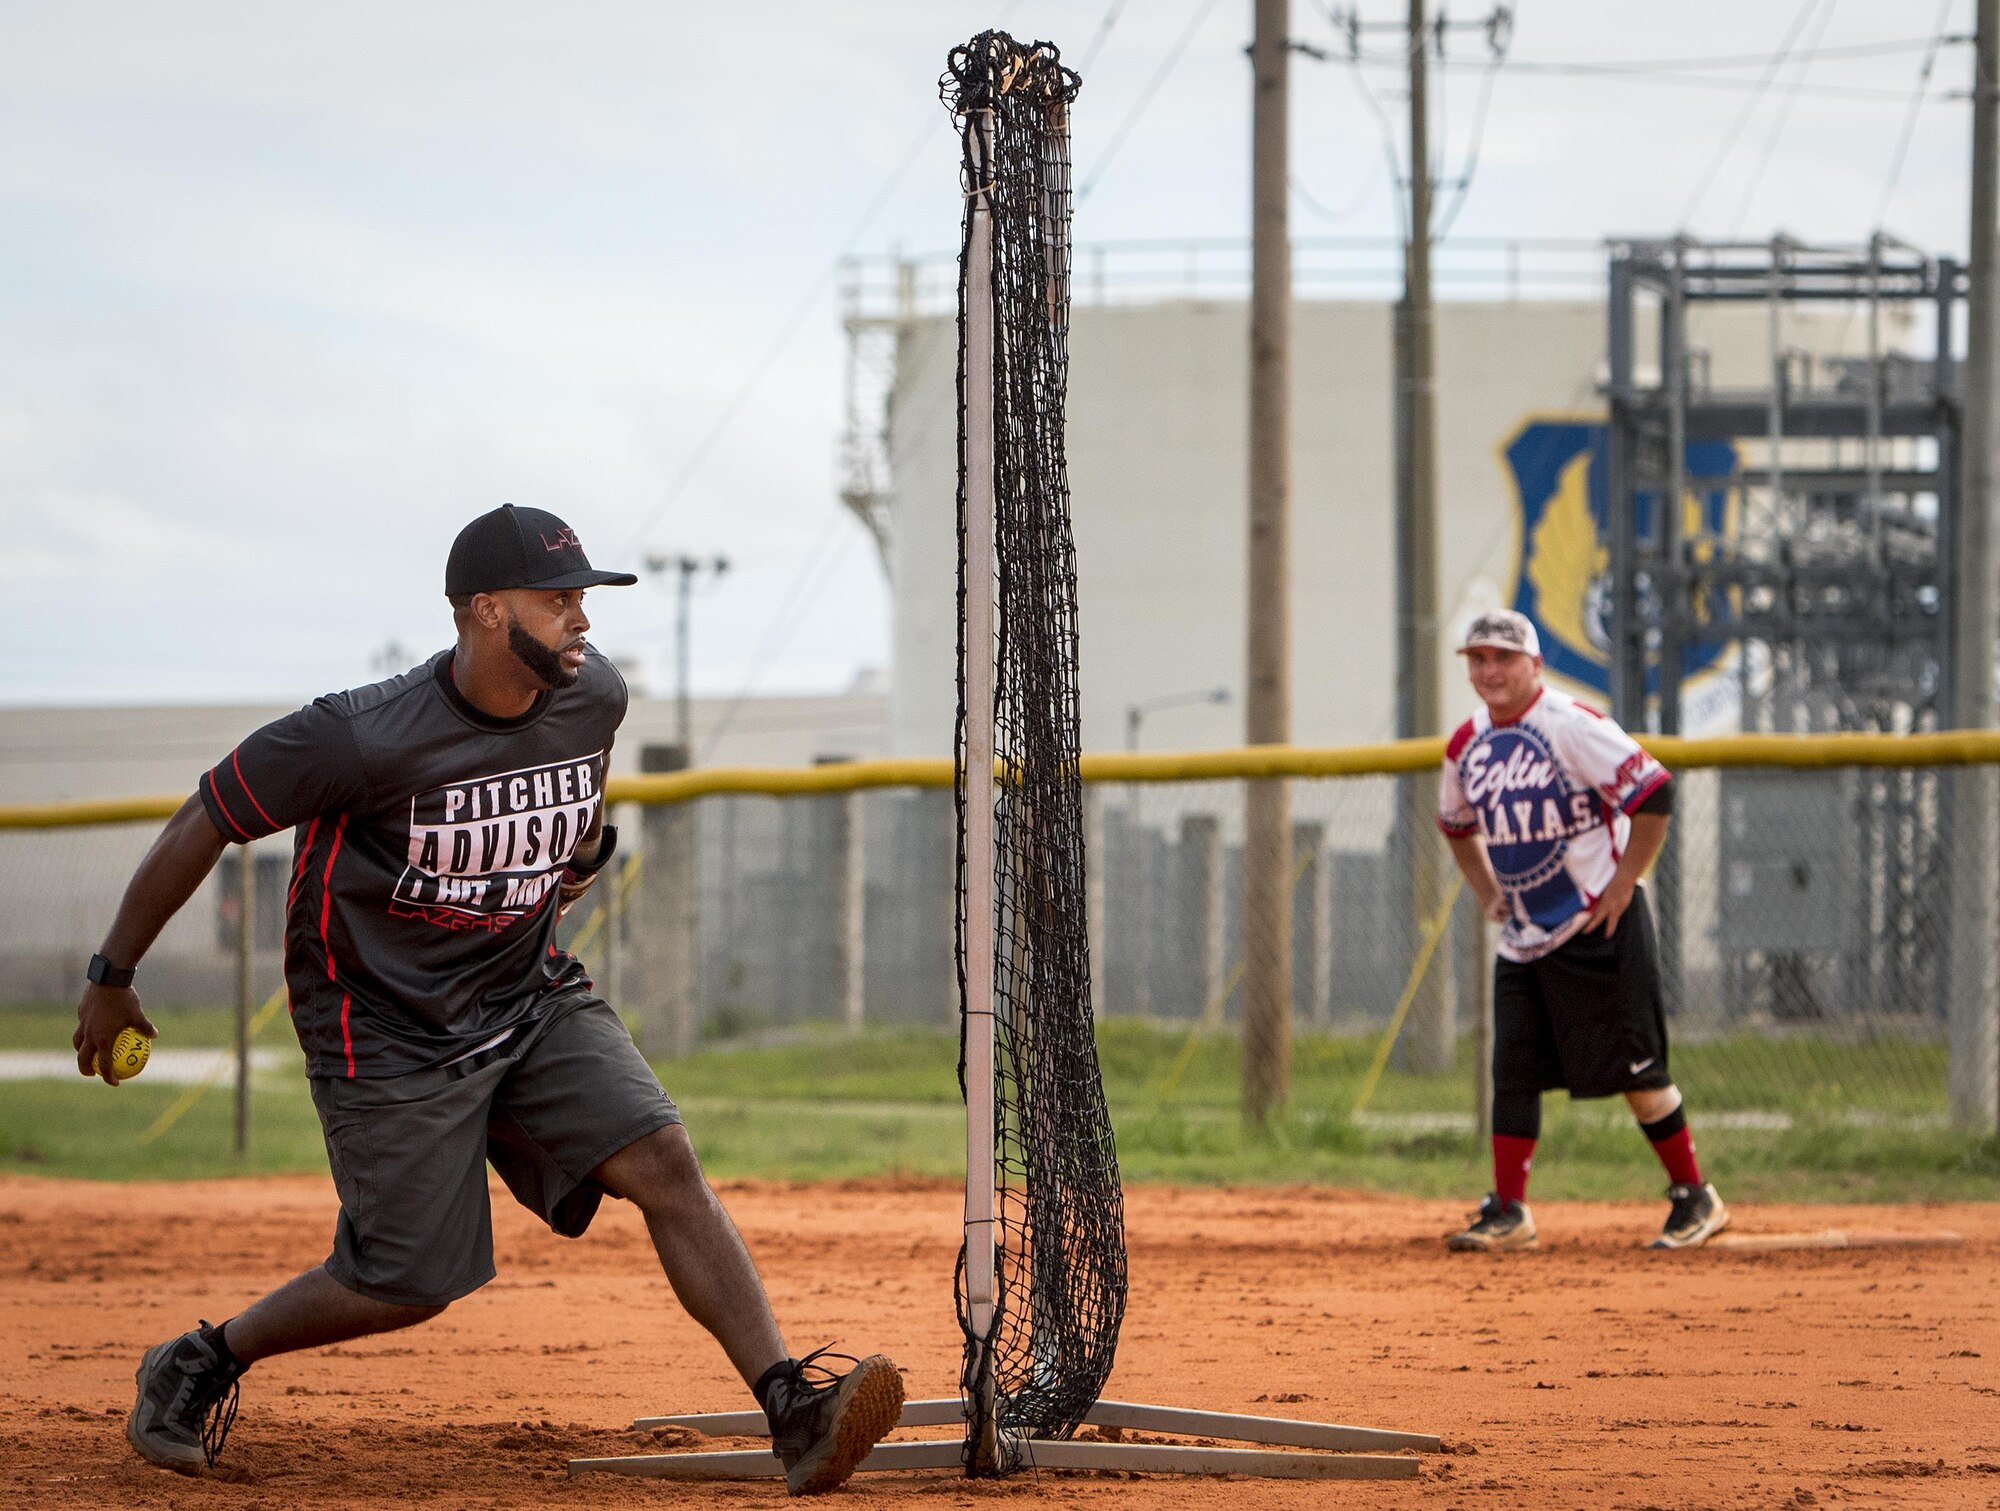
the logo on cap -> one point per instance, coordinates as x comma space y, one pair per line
1488, 628
498, 551
1503, 630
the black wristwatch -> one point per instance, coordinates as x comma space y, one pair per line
104, 973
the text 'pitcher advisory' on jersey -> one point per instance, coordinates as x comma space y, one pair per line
492, 847
420, 917
1551, 793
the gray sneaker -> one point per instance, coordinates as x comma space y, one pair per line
186, 1401
1697, 1215
824, 1424
1497, 1227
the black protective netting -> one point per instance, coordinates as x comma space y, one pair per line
1061, 1232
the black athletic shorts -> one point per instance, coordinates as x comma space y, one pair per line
409, 1153
1586, 1017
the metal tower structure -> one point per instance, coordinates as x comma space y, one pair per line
1829, 566
868, 379
1809, 522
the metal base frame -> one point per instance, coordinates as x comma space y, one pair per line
1332, 1447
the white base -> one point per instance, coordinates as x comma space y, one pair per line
1140, 1458
1147, 1458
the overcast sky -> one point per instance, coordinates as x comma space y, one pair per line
288, 293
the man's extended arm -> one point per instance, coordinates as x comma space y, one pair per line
1469, 850
179, 861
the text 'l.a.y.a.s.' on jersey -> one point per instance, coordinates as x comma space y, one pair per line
421, 913
1551, 793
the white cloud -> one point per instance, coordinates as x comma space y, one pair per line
287, 293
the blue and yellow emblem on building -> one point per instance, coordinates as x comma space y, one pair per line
1562, 577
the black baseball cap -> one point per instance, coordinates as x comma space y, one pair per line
512, 547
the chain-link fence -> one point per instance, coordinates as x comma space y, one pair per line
1826, 931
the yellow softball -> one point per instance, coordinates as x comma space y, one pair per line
129, 1052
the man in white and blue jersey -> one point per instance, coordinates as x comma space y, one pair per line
1554, 813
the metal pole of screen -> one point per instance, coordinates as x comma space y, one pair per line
246, 957
981, 1291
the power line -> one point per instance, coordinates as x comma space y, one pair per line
1103, 35
1390, 150
706, 446
1441, 109
1750, 105
774, 639
1117, 138
767, 647
778, 634
1498, 29
1334, 217
1778, 125
776, 349
785, 601
1758, 59
1727, 60
1659, 76
1472, 153
1910, 120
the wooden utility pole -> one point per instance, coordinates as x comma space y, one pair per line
1974, 1037
1430, 1036
1267, 905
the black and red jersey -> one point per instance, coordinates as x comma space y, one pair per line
421, 914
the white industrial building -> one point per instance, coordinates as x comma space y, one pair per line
1157, 451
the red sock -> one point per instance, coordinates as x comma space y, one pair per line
1511, 1158
1676, 1152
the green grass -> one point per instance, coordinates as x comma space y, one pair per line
85, 1128
45, 1025
825, 1106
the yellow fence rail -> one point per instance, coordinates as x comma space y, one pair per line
1795, 752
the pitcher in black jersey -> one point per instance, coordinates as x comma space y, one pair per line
442, 820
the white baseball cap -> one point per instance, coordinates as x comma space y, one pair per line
1503, 630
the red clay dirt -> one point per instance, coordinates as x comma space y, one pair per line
1590, 1374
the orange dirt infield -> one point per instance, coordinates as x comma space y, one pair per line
1591, 1374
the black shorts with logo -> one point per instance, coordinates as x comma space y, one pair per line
1586, 1017
561, 1095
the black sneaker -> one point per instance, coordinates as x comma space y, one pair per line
187, 1401
824, 1424
1497, 1227
1697, 1216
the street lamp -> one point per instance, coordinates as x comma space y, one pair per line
1135, 713
685, 570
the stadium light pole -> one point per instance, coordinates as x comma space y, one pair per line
685, 569
1135, 713
1267, 909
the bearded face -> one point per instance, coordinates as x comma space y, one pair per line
549, 667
